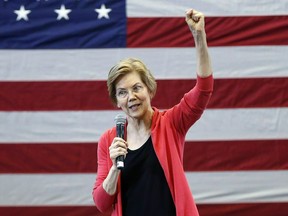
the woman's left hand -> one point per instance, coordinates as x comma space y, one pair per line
195, 20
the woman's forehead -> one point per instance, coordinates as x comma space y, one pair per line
128, 80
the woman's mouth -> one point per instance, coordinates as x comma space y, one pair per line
134, 107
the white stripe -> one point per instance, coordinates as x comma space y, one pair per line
239, 187
207, 187
46, 189
165, 63
241, 124
87, 126
172, 8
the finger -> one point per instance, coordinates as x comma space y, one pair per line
198, 15
118, 139
118, 142
114, 153
118, 146
117, 152
189, 12
193, 15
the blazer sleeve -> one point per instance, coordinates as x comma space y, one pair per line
103, 201
192, 105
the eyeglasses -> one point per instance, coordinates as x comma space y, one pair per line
123, 93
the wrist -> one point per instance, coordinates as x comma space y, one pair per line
114, 168
200, 38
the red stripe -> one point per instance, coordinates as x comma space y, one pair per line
221, 31
92, 95
236, 155
50, 210
198, 156
245, 209
48, 158
251, 209
54, 95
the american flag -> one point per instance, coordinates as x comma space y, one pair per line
54, 60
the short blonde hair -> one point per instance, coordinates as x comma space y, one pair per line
127, 66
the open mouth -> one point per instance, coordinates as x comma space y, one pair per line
135, 106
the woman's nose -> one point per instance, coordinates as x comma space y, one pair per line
131, 95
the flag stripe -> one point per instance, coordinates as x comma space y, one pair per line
160, 32
251, 209
57, 65
198, 156
87, 126
236, 155
207, 187
239, 187
235, 209
48, 158
50, 210
92, 95
150, 8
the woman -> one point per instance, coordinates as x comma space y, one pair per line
153, 181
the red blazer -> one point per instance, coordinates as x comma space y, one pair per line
168, 132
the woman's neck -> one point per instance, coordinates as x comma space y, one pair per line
142, 125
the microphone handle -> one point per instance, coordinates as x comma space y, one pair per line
120, 133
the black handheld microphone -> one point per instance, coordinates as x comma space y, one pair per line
120, 121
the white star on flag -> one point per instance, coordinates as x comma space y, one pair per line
62, 13
22, 13
103, 12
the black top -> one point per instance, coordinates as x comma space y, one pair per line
144, 187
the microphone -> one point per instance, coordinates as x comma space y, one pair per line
120, 121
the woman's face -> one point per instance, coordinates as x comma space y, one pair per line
133, 96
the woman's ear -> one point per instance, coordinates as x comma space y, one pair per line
151, 95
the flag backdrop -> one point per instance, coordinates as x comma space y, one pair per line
54, 59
